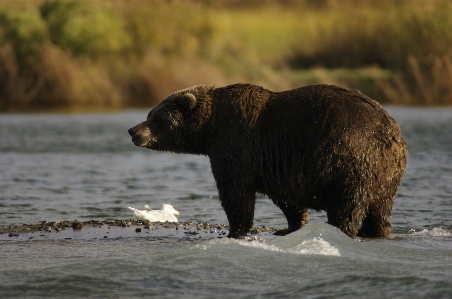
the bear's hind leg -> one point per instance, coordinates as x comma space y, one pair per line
345, 216
376, 223
296, 218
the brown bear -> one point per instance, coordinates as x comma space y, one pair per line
318, 147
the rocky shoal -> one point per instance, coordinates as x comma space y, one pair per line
188, 227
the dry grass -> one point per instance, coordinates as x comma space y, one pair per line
118, 53
428, 82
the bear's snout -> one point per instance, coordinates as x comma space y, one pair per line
141, 136
130, 131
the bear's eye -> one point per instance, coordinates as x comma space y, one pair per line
162, 120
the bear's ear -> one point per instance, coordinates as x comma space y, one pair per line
188, 101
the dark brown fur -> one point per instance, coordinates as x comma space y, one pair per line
318, 147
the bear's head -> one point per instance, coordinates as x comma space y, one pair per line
178, 124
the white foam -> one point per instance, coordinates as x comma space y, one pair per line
434, 232
317, 246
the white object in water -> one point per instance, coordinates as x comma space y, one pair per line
165, 214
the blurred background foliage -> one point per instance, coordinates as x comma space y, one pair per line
111, 54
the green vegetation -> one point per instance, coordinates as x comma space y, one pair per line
81, 54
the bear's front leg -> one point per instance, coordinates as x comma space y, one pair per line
239, 207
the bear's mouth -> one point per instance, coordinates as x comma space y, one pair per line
143, 141
138, 141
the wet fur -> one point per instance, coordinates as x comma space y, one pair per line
318, 147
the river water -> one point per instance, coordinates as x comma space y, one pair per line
84, 166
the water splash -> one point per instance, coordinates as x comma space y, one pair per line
313, 240
316, 246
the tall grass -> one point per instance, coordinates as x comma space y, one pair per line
120, 53
410, 39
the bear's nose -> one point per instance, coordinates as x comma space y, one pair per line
131, 131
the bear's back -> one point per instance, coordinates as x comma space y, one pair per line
328, 103
326, 110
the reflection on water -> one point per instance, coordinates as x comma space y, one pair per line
64, 167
